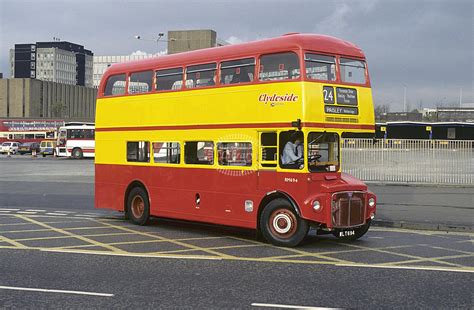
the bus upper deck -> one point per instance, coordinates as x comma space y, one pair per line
317, 81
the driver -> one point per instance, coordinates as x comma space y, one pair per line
293, 151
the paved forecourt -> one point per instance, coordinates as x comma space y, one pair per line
99, 234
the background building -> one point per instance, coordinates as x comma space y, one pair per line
101, 63
32, 98
189, 40
57, 61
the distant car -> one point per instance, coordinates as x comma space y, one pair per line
47, 147
11, 147
28, 148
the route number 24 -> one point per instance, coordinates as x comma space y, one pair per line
328, 94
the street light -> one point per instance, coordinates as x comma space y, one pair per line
157, 40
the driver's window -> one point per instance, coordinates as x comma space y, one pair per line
291, 149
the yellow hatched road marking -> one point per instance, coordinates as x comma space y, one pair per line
65, 237
145, 241
12, 242
432, 259
55, 222
180, 243
93, 242
211, 248
333, 259
414, 257
43, 230
342, 251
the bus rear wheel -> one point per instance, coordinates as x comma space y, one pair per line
77, 153
138, 206
280, 225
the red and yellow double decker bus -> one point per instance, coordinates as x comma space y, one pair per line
245, 135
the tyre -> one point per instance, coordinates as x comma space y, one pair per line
138, 206
358, 232
77, 153
280, 225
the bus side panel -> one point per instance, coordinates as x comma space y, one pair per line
175, 192
109, 191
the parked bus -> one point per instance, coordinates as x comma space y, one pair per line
76, 140
28, 130
207, 136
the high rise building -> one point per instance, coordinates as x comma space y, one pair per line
57, 61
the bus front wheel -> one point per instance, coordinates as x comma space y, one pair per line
77, 153
138, 206
280, 225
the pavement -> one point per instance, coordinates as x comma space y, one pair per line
444, 208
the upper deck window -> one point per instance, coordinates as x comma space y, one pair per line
352, 71
282, 66
201, 75
320, 67
237, 71
115, 85
169, 79
140, 82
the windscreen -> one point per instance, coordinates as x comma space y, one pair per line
323, 152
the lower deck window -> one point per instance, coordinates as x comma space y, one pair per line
234, 153
199, 152
138, 151
166, 152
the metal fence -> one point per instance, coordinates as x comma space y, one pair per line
409, 161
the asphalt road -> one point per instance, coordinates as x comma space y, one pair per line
63, 183
57, 251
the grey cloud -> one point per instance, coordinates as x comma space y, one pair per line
426, 45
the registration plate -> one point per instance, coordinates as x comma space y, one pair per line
346, 233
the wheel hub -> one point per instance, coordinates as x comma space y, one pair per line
138, 207
282, 223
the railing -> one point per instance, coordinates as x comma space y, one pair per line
409, 161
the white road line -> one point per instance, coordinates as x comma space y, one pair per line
26, 212
56, 213
290, 306
32, 210
6, 209
408, 268
54, 291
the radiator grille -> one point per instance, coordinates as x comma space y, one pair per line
348, 209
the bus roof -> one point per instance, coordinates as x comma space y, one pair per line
292, 41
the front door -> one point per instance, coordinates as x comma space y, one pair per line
268, 160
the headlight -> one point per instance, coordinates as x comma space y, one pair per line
371, 202
316, 206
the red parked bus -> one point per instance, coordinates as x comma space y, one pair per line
244, 135
28, 130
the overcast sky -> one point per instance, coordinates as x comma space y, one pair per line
427, 46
